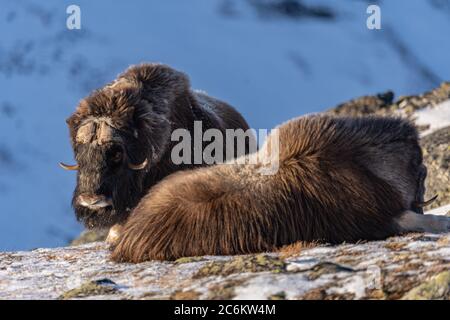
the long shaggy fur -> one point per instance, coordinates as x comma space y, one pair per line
339, 179
136, 114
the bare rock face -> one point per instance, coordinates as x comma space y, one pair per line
384, 104
436, 153
414, 266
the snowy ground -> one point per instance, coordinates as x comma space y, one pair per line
437, 117
272, 67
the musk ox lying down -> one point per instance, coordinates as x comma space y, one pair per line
339, 179
121, 137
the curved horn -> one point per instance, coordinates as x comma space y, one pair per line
138, 166
426, 203
68, 167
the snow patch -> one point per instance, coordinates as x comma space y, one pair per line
441, 211
436, 117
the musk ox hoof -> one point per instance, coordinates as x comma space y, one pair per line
113, 234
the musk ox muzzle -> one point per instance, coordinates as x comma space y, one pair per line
94, 201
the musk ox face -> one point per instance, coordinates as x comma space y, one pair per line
119, 134
111, 169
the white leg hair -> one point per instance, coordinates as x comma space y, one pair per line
113, 234
410, 221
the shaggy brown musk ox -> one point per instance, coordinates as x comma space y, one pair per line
339, 179
121, 137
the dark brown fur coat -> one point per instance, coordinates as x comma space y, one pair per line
340, 179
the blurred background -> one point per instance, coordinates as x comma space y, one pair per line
271, 59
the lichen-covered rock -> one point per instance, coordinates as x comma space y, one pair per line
384, 104
436, 156
242, 264
91, 288
431, 98
89, 236
437, 287
378, 104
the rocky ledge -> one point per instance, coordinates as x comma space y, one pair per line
414, 266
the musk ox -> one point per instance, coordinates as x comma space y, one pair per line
339, 180
121, 137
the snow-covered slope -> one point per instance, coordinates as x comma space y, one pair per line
437, 117
272, 66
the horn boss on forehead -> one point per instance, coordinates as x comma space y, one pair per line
105, 133
85, 132
96, 131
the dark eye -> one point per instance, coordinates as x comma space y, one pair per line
117, 156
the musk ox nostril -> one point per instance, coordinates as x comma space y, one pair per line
93, 201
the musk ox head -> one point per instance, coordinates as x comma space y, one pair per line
118, 135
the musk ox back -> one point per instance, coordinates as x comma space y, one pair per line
121, 137
339, 179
